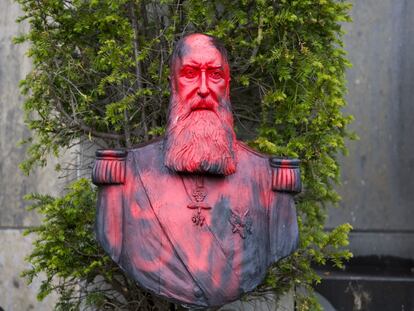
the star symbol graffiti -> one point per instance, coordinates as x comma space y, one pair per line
241, 224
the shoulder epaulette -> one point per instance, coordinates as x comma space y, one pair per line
285, 175
109, 167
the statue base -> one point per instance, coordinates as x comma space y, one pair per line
267, 301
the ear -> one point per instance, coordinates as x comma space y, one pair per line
172, 77
171, 82
228, 85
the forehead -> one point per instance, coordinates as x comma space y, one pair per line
199, 50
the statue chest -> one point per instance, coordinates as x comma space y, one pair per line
214, 229
219, 203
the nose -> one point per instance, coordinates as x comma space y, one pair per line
203, 87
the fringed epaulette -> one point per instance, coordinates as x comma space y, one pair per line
285, 175
109, 167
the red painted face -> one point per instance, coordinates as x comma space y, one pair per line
201, 76
200, 136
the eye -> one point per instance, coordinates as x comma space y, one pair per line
190, 73
216, 74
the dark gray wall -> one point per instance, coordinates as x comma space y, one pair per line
378, 183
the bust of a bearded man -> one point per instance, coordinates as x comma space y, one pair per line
196, 216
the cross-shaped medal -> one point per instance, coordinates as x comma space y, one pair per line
199, 194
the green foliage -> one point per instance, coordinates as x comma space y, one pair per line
65, 248
100, 73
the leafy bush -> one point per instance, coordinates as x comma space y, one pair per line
100, 73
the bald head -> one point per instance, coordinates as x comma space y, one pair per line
184, 45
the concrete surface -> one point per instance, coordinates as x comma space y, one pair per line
378, 188
15, 294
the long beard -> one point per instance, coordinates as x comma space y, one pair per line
200, 141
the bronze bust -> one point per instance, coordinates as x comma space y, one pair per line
197, 216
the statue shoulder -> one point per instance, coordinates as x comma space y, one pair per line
111, 164
285, 171
250, 152
285, 174
109, 167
